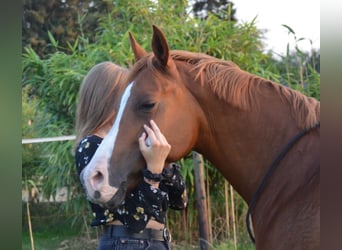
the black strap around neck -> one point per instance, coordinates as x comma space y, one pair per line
271, 168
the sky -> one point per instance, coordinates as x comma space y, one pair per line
303, 16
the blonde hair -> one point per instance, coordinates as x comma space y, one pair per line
96, 96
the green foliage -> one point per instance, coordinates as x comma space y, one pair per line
223, 9
31, 116
63, 20
299, 70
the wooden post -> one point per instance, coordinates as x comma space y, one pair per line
201, 203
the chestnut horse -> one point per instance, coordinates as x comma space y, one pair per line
248, 127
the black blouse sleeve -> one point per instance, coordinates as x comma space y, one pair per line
173, 183
142, 204
84, 152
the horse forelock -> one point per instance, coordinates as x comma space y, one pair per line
147, 62
237, 87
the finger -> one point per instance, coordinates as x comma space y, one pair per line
161, 138
141, 139
158, 133
150, 134
154, 126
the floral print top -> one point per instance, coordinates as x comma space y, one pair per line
144, 202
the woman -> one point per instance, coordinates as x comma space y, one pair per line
139, 221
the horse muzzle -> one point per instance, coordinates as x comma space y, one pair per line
99, 191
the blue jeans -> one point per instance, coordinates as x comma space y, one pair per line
108, 242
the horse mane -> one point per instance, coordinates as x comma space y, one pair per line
239, 88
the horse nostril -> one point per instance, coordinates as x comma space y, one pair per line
97, 180
97, 195
98, 176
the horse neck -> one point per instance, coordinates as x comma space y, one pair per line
242, 143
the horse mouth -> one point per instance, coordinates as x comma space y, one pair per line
117, 198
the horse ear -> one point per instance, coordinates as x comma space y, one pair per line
138, 51
160, 47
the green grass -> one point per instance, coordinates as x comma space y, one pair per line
53, 229
230, 246
221, 246
52, 240
60, 236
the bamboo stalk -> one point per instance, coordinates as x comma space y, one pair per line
29, 218
209, 209
30, 226
233, 215
86, 226
226, 197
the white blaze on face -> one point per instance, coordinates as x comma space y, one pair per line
95, 175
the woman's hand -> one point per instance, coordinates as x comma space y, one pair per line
157, 150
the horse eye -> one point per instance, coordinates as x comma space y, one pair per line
148, 106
